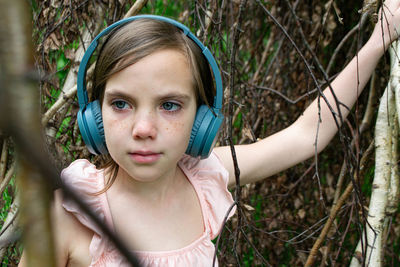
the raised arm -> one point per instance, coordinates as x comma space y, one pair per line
297, 142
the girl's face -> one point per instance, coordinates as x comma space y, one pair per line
148, 112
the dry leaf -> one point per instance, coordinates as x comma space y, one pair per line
248, 207
301, 213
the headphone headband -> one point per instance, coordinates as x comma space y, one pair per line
83, 98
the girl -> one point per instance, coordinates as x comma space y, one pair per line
149, 80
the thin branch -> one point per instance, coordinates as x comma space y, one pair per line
3, 158
139, 4
7, 179
335, 209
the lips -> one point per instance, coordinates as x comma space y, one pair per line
145, 157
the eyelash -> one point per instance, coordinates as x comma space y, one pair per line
115, 102
175, 106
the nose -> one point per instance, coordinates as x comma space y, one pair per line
144, 127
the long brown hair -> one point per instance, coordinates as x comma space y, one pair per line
133, 41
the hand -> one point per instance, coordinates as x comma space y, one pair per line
388, 25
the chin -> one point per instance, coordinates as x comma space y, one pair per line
144, 173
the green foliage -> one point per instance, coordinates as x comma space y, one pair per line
366, 187
288, 254
168, 8
13, 252
395, 247
34, 6
256, 202
11, 257
238, 123
7, 199
248, 258
62, 63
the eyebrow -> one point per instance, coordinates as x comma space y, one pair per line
167, 96
179, 96
117, 94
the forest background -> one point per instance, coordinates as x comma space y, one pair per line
274, 56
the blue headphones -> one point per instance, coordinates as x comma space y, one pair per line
207, 121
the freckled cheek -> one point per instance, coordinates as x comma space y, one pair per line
114, 126
178, 127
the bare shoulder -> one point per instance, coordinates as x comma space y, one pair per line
71, 238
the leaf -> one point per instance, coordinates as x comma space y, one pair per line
248, 207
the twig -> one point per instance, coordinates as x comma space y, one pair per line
9, 228
285, 97
139, 4
354, 30
235, 38
366, 122
3, 158
8, 177
221, 232
69, 88
335, 209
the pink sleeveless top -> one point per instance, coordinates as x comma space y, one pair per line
209, 179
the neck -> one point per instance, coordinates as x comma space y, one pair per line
156, 190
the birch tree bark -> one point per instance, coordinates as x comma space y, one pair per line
384, 196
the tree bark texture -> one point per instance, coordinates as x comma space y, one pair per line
384, 196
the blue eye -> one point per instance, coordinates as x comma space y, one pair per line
120, 104
170, 106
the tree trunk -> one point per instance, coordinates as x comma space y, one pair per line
384, 197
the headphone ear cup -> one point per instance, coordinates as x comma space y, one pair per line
90, 123
193, 149
204, 132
